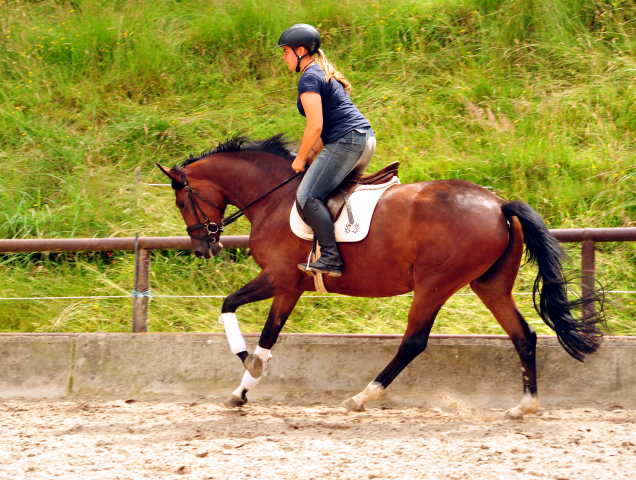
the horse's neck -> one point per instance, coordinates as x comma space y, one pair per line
243, 181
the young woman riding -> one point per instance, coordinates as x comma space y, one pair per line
333, 142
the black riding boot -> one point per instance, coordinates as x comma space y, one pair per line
320, 221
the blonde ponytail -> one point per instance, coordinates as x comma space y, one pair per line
330, 71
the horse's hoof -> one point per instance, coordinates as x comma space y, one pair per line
529, 404
514, 414
254, 365
234, 401
351, 404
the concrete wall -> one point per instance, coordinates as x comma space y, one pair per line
482, 371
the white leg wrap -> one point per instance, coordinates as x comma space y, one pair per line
263, 354
248, 381
233, 333
239, 391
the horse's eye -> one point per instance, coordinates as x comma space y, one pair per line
180, 204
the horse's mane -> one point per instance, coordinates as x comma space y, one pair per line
276, 145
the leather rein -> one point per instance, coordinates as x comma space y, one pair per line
213, 230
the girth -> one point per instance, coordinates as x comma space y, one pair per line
338, 198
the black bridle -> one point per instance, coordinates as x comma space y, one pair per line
213, 230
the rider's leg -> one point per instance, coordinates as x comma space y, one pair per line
319, 219
331, 166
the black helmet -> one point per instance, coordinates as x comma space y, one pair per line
300, 34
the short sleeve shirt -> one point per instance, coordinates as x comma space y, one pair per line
339, 114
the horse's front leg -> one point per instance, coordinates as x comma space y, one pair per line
260, 288
282, 307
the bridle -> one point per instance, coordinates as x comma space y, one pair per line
213, 230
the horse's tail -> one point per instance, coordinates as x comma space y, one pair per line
579, 337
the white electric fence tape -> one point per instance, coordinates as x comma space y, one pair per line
333, 296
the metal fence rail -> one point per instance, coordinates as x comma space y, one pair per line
111, 244
588, 237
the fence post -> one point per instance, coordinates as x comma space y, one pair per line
588, 271
141, 292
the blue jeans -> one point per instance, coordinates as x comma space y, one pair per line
332, 165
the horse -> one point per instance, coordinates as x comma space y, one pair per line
430, 238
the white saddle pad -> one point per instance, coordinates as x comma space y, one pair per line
363, 202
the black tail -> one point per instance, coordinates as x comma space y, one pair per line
578, 337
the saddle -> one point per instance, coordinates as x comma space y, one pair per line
337, 199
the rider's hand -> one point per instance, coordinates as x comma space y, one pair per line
298, 165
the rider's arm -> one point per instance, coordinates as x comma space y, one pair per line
312, 105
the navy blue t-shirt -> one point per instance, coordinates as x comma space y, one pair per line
339, 114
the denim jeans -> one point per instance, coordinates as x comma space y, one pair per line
332, 165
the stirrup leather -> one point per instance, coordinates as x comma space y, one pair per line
319, 281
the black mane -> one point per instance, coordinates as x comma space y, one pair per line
276, 145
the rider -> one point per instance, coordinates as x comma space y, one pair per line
334, 139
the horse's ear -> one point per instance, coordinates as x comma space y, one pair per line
169, 172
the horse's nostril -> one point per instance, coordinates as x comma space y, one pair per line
198, 254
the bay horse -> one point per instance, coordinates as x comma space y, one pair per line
429, 238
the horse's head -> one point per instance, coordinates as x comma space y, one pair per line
202, 208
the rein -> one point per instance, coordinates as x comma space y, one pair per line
213, 229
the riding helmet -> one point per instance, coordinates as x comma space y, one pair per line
298, 35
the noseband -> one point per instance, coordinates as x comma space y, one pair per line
213, 230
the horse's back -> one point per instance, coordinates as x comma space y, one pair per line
452, 203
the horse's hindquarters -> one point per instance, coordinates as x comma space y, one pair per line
438, 235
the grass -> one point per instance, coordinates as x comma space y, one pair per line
534, 99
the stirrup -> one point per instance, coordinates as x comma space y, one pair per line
305, 266
316, 267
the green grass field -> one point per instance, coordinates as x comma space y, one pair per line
536, 99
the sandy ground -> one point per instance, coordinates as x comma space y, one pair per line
120, 440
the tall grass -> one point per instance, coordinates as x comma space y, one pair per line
535, 99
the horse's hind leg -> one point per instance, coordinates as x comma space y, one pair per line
421, 317
494, 288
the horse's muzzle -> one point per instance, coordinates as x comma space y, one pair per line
203, 249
